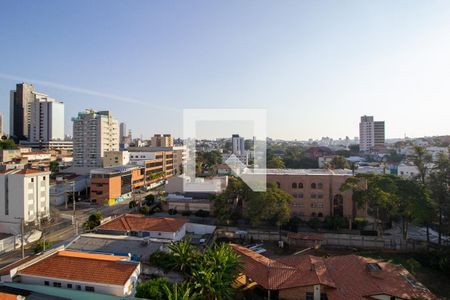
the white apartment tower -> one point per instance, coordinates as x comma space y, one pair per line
238, 144
24, 195
371, 134
94, 133
46, 119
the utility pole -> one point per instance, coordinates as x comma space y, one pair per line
73, 196
22, 233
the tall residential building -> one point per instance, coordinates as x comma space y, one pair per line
46, 119
94, 133
162, 140
238, 144
371, 134
1, 124
24, 195
20, 109
123, 131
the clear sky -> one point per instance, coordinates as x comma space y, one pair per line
316, 66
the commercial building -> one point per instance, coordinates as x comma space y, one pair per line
161, 140
308, 277
94, 133
315, 192
49, 145
82, 271
46, 119
20, 109
371, 134
171, 229
24, 195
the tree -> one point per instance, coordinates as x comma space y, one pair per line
276, 163
93, 221
132, 204
439, 184
184, 255
179, 292
54, 166
7, 144
41, 245
339, 162
152, 289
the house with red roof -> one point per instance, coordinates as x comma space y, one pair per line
169, 229
348, 277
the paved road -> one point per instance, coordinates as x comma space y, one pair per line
62, 231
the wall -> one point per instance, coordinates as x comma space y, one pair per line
200, 228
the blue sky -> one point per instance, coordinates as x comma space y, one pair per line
316, 66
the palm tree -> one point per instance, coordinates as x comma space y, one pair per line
184, 254
179, 292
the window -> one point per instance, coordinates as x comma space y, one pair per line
46, 283
313, 185
323, 296
320, 185
319, 196
43, 178
32, 179
300, 195
313, 196
309, 296
78, 287
320, 215
300, 185
294, 185
69, 285
57, 284
89, 289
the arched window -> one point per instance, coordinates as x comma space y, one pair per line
294, 185
320, 185
338, 205
313, 185
320, 215
300, 185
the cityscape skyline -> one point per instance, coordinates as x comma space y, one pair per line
297, 62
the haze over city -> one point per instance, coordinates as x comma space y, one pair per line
310, 64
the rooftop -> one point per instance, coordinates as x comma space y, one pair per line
317, 172
131, 222
347, 277
81, 266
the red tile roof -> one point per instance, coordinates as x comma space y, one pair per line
131, 222
30, 171
81, 266
346, 277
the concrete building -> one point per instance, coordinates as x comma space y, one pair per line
8, 155
371, 134
161, 140
238, 144
49, 145
24, 195
82, 271
20, 109
116, 158
315, 192
46, 119
1, 125
123, 132
94, 133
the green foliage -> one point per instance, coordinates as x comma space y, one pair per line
201, 213
54, 166
293, 224
144, 209
152, 289
184, 255
149, 199
275, 163
412, 265
335, 222
359, 223
7, 144
93, 221
179, 292
172, 211
314, 223
207, 160
162, 260
339, 162
40, 245
132, 204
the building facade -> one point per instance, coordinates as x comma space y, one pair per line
24, 195
116, 158
371, 134
46, 119
20, 109
238, 144
162, 140
94, 133
315, 192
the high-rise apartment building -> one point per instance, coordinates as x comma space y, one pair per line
123, 132
238, 144
162, 140
46, 119
93, 134
20, 109
371, 134
1, 124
